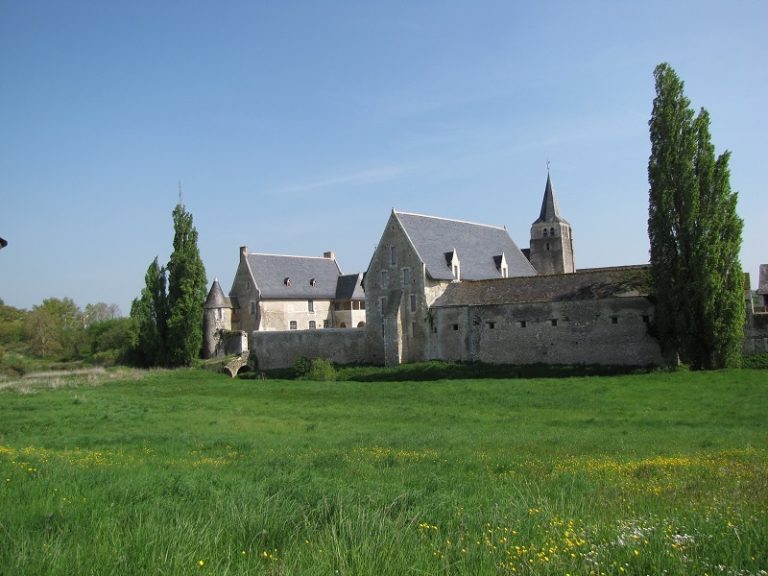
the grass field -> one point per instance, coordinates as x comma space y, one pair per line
186, 472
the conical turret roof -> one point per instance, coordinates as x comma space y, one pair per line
216, 298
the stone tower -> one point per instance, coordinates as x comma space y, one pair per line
217, 317
551, 238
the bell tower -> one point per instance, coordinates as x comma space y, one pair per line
551, 238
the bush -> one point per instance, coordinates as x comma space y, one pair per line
755, 361
321, 370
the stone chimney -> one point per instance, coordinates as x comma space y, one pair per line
330, 255
243, 252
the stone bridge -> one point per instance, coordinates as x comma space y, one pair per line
233, 366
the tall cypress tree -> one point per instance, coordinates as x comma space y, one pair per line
150, 313
186, 292
694, 232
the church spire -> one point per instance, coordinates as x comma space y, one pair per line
550, 209
551, 237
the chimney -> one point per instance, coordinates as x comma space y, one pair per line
243, 252
330, 255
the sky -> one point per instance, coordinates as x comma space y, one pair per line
295, 127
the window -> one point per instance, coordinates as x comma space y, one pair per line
313, 283
326, 324
287, 282
553, 321
294, 325
392, 256
253, 308
522, 323
491, 325
646, 318
218, 313
385, 279
310, 305
456, 271
382, 305
614, 319
547, 246
413, 302
406, 277
312, 325
552, 232
504, 272
455, 327
545, 232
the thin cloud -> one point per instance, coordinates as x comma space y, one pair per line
358, 178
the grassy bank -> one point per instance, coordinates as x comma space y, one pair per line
190, 473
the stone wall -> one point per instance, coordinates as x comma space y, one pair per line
270, 350
756, 334
610, 331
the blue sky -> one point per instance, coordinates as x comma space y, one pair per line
295, 127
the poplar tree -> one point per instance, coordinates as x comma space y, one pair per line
186, 292
150, 314
694, 232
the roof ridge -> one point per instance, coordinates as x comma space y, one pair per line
495, 227
290, 256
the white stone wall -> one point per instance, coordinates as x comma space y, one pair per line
278, 314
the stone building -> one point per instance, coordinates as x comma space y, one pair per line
415, 261
438, 288
453, 290
272, 292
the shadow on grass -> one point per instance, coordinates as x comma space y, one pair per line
438, 370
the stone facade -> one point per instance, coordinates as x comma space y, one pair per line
270, 350
446, 289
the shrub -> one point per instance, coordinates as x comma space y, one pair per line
755, 361
321, 370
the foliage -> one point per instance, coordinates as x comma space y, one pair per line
169, 313
186, 292
695, 234
183, 471
54, 329
149, 313
321, 370
58, 331
756, 361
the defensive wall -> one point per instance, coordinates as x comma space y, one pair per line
281, 349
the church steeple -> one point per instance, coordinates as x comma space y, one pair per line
550, 209
551, 237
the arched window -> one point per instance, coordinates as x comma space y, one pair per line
547, 246
552, 232
545, 232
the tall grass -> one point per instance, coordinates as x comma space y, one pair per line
189, 473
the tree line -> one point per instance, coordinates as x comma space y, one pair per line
164, 327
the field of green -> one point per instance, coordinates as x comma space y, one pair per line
187, 472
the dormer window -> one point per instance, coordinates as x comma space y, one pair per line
452, 259
313, 283
501, 265
287, 282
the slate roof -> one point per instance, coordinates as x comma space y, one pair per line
581, 285
350, 287
216, 298
271, 272
550, 209
476, 245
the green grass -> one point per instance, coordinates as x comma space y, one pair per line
187, 472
